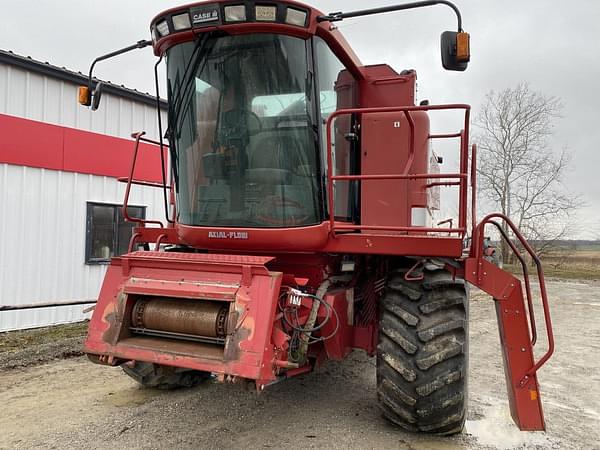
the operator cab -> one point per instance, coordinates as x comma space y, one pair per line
243, 126
252, 89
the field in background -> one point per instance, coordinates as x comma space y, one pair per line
571, 260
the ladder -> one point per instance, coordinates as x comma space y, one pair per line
516, 321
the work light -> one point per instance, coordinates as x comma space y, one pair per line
295, 17
163, 28
266, 13
235, 13
181, 22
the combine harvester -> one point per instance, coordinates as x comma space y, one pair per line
298, 222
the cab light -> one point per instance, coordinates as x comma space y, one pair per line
154, 32
236, 13
266, 13
295, 17
162, 28
181, 22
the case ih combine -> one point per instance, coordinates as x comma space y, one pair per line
298, 228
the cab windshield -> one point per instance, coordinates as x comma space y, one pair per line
245, 153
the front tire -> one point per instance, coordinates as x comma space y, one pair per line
163, 377
422, 354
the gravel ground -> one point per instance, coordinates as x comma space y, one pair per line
67, 348
71, 403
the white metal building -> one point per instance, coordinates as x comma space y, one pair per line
59, 163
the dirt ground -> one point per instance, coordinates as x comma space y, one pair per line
71, 403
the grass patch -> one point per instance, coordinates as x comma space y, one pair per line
17, 340
569, 272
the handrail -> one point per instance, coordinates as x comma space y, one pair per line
461, 177
476, 250
138, 138
352, 226
141, 182
150, 141
415, 176
445, 135
525, 277
449, 221
133, 240
159, 240
464, 168
473, 188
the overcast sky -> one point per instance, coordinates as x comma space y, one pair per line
553, 45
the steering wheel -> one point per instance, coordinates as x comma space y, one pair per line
273, 203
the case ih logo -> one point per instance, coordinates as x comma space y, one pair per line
205, 16
228, 235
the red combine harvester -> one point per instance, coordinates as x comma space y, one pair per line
298, 221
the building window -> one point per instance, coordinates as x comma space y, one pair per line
107, 232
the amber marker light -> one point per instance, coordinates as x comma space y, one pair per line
84, 96
462, 47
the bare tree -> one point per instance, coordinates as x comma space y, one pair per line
519, 173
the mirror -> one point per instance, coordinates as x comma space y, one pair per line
97, 95
455, 50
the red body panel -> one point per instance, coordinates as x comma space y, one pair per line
341, 327
243, 281
386, 139
383, 86
315, 239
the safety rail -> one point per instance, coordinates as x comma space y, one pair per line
477, 252
130, 180
447, 179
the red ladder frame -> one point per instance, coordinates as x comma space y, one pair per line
516, 322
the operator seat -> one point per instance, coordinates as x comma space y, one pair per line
279, 156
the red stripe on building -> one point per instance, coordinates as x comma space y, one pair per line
37, 144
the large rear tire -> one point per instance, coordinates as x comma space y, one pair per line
164, 377
422, 354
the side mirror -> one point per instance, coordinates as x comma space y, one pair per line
87, 98
455, 50
97, 95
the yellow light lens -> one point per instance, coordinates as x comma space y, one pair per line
266, 13
84, 96
462, 47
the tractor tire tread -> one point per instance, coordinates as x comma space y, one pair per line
155, 376
422, 353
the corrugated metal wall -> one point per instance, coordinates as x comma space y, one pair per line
43, 229
43, 212
39, 97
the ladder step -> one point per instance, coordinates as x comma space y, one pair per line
515, 338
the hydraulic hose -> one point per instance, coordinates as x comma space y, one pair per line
310, 322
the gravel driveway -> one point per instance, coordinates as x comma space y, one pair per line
71, 403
